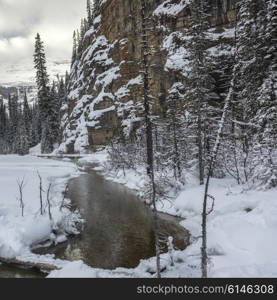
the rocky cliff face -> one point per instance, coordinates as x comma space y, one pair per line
106, 82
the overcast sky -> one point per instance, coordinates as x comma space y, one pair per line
55, 20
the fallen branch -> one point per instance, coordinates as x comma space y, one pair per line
45, 268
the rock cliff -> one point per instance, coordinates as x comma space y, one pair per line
105, 82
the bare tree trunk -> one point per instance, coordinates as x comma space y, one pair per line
64, 195
48, 201
149, 129
170, 247
40, 193
200, 147
204, 256
21, 185
177, 163
228, 100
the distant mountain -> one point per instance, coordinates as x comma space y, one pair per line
23, 73
16, 78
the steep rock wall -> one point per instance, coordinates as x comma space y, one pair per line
105, 83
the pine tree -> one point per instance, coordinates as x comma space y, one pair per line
55, 114
27, 119
89, 13
175, 129
4, 129
145, 52
200, 87
35, 136
14, 119
96, 8
22, 137
44, 99
74, 50
265, 138
251, 69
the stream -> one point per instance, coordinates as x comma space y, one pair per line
118, 229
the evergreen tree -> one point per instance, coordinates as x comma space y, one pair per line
4, 129
89, 12
199, 90
74, 50
27, 119
14, 119
54, 115
44, 98
265, 138
96, 8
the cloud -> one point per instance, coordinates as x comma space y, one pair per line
55, 20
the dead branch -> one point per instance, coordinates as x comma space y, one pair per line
212, 208
64, 196
48, 201
40, 193
21, 184
43, 267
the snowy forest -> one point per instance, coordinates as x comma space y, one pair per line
184, 135
177, 100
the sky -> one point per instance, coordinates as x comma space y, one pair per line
55, 20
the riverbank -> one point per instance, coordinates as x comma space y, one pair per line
25, 224
241, 228
118, 229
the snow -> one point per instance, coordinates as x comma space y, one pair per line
35, 150
19, 234
178, 56
102, 2
97, 20
167, 8
241, 229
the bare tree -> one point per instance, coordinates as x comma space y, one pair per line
228, 101
149, 126
21, 184
170, 247
48, 201
40, 193
64, 195
205, 213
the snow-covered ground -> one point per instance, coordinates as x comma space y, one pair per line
18, 234
242, 231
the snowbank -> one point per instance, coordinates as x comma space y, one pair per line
18, 234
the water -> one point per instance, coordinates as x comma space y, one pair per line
13, 272
119, 228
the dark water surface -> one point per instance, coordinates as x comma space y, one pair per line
13, 272
118, 229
